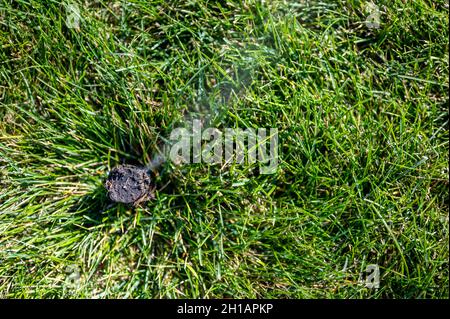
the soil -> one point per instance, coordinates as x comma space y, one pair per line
129, 184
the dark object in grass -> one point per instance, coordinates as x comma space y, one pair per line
129, 184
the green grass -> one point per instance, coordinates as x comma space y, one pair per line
363, 177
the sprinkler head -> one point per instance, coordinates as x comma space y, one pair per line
129, 184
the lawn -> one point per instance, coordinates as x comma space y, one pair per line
358, 92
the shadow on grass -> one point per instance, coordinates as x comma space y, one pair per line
95, 208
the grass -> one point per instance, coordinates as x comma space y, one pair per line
363, 177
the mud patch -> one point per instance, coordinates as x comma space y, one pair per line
129, 184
